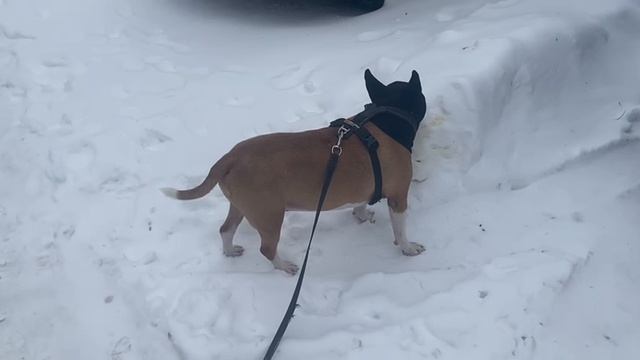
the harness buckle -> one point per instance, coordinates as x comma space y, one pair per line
337, 149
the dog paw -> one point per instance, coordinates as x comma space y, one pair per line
363, 215
236, 250
412, 249
286, 266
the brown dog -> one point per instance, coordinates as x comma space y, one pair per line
267, 175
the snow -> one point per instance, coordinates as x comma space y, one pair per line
526, 169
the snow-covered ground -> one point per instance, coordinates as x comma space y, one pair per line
526, 191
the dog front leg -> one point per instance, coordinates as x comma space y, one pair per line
397, 212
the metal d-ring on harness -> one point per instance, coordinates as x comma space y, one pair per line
347, 127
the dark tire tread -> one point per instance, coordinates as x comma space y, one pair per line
369, 5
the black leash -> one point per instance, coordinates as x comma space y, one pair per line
336, 151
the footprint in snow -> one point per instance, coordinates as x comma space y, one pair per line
121, 348
54, 75
374, 35
308, 110
201, 312
8, 59
13, 92
160, 39
161, 64
63, 127
309, 87
523, 345
49, 257
153, 139
138, 255
118, 181
239, 101
75, 159
294, 76
80, 156
58, 62
64, 231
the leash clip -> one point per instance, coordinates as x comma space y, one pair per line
337, 149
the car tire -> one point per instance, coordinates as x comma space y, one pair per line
369, 5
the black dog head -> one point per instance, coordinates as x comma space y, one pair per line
406, 96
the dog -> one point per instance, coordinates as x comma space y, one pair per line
265, 176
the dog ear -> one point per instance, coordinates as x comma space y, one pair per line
415, 80
374, 87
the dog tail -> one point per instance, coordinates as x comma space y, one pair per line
216, 172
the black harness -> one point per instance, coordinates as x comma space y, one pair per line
355, 125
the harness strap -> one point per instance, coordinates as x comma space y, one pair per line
369, 142
371, 110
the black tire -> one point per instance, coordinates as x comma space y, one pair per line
369, 5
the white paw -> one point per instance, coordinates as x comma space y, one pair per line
235, 250
286, 266
412, 249
364, 215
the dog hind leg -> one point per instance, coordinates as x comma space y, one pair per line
268, 223
228, 230
362, 214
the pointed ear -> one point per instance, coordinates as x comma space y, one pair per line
374, 87
415, 80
